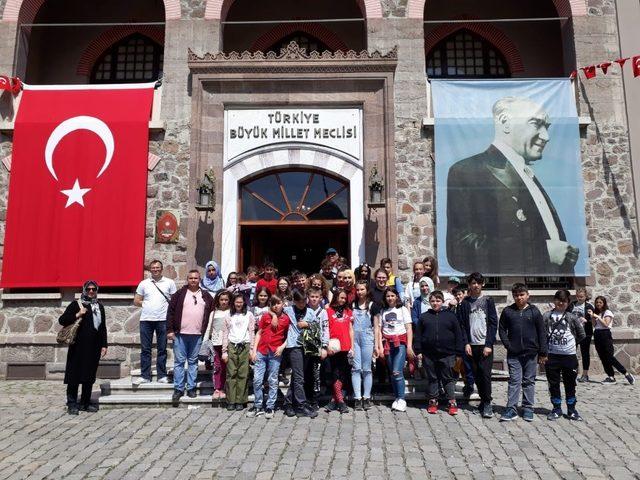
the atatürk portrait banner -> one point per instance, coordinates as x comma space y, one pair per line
509, 196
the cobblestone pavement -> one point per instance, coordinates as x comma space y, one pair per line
39, 440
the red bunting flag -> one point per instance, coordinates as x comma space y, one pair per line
77, 194
12, 84
636, 65
589, 71
604, 67
621, 61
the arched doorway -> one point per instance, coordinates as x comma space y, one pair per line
290, 217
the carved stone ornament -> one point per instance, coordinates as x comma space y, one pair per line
289, 56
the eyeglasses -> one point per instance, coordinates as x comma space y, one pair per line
91, 289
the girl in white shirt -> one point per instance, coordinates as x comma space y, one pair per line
237, 341
602, 319
221, 304
394, 340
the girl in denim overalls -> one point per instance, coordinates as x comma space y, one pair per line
363, 351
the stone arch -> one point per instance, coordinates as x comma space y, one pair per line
218, 9
25, 11
322, 33
565, 8
487, 31
97, 47
290, 156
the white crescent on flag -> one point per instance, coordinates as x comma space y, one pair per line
82, 122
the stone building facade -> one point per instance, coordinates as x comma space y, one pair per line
186, 133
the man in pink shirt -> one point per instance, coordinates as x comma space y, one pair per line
187, 319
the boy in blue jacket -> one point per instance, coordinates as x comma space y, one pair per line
524, 337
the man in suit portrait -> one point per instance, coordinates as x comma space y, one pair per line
500, 219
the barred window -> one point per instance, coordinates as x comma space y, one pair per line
466, 55
136, 58
304, 41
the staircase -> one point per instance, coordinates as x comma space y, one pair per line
125, 393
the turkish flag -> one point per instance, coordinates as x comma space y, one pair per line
77, 192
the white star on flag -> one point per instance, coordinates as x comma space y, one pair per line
75, 194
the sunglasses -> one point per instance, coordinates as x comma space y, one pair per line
92, 289
195, 300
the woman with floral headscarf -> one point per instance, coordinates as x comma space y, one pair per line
212, 280
89, 346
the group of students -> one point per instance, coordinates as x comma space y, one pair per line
331, 328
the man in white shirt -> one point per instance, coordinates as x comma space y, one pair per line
153, 295
500, 219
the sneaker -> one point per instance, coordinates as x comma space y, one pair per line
527, 415
268, 413
509, 415
306, 412
283, 379
584, 379
252, 412
342, 407
313, 406
467, 391
222, 395
191, 393
175, 399
609, 380
487, 410
239, 407
231, 407
394, 404
331, 406
433, 407
401, 405
366, 404
574, 415
358, 405
73, 410
140, 381
630, 378
289, 411
163, 380
554, 414
91, 408
453, 408
216, 395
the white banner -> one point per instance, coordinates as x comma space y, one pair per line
248, 129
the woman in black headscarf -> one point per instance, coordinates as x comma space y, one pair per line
90, 344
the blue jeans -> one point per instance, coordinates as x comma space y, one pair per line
146, 341
362, 358
395, 361
185, 348
271, 364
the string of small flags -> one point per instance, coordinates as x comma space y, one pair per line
592, 70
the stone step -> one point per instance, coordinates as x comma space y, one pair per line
163, 399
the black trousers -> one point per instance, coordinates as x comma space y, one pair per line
565, 368
481, 367
72, 394
440, 369
604, 347
585, 352
295, 394
311, 378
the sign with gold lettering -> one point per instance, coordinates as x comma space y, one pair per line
247, 130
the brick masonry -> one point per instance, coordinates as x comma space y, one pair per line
27, 328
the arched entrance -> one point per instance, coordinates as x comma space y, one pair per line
290, 217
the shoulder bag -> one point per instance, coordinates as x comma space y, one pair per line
67, 336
